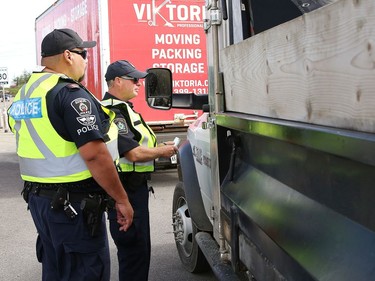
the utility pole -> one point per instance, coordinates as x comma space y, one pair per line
3, 112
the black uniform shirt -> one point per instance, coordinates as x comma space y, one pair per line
76, 115
126, 138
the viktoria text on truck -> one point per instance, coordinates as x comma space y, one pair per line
163, 34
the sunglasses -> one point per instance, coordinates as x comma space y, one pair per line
135, 80
82, 53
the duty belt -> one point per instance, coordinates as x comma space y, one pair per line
50, 190
135, 178
92, 203
50, 193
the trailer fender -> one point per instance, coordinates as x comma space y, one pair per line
193, 195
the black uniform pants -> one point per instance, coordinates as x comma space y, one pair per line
134, 245
65, 247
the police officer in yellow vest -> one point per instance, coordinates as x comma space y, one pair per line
67, 145
138, 149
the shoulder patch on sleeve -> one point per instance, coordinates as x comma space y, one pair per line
83, 108
121, 125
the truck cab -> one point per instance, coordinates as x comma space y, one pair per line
276, 177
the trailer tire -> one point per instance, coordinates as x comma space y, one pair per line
184, 231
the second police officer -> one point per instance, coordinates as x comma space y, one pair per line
138, 149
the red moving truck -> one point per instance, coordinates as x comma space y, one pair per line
148, 33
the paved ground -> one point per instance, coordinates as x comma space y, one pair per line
18, 234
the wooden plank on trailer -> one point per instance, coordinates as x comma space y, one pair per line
318, 68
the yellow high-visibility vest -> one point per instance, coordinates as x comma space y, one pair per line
147, 139
44, 156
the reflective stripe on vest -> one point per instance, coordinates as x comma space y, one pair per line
43, 155
148, 138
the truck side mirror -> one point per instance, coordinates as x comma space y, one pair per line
159, 92
158, 86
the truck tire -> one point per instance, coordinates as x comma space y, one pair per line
184, 231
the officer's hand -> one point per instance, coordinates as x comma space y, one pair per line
168, 149
124, 215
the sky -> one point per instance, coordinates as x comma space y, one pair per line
17, 38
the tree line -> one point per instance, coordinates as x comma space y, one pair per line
18, 82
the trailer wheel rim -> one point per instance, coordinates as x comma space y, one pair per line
182, 226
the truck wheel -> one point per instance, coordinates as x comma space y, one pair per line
184, 231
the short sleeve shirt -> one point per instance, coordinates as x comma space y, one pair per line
76, 115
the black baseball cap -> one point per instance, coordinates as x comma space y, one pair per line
123, 68
59, 40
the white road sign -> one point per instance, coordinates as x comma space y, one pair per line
4, 76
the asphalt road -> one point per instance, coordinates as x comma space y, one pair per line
18, 234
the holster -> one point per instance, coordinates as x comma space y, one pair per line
93, 208
26, 191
